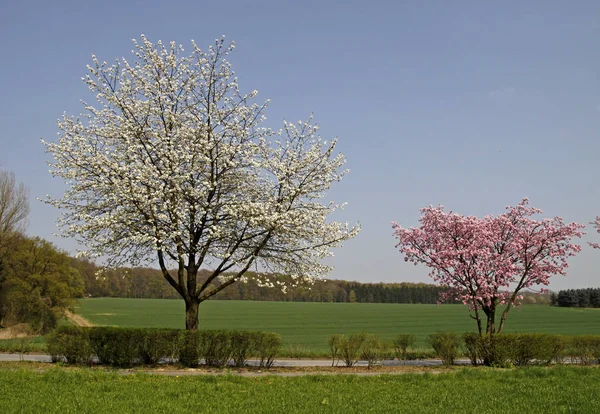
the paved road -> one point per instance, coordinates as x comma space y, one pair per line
277, 363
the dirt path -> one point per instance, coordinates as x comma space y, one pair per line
78, 319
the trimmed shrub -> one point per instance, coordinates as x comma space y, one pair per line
372, 350
189, 348
503, 350
126, 346
445, 345
267, 346
498, 350
561, 345
350, 348
335, 344
70, 343
532, 348
243, 345
401, 343
154, 345
472, 347
585, 349
216, 347
114, 346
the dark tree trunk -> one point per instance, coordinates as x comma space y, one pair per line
490, 312
477, 317
490, 356
503, 319
191, 314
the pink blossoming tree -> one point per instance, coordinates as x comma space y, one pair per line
488, 261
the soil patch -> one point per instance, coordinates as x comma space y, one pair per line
20, 330
78, 319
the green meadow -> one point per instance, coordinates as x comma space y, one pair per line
307, 326
530, 390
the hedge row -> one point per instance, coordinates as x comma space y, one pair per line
129, 346
499, 350
526, 349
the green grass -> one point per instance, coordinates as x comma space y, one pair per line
23, 345
27, 345
533, 390
307, 326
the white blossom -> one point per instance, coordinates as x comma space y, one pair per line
172, 162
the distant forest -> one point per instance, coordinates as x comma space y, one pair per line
577, 298
149, 283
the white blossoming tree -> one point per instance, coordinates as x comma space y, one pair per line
172, 165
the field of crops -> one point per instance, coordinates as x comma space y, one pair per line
533, 390
307, 326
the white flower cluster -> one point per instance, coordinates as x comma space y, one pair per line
172, 161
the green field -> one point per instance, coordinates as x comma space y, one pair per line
307, 326
532, 390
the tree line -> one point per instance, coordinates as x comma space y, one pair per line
577, 298
149, 283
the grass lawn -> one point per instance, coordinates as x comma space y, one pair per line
307, 326
532, 390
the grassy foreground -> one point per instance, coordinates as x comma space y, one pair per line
533, 390
307, 326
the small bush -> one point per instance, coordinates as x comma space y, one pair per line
504, 350
70, 343
335, 343
267, 346
189, 347
532, 348
350, 348
155, 344
216, 347
497, 350
561, 344
585, 349
472, 347
243, 345
401, 344
114, 346
373, 349
445, 345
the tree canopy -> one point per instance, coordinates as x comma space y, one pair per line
172, 164
488, 261
38, 284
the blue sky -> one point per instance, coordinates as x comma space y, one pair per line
469, 104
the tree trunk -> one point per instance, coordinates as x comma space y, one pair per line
191, 314
503, 319
490, 354
477, 317
491, 320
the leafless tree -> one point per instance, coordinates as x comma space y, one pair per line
14, 208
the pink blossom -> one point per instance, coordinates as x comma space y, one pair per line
487, 261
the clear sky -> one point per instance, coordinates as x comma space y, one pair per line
469, 104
